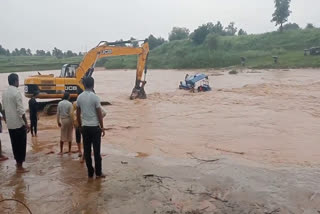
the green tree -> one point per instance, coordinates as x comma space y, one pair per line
291, 26
178, 33
310, 26
231, 30
218, 28
121, 45
2, 51
281, 13
40, 53
200, 34
48, 53
69, 53
57, 53
242, 32
29, 52
134, 42
16, 52
155, 42
23, 52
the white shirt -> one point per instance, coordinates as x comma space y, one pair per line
88, 102
65, 109
13, 107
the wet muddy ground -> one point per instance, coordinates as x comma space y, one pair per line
249, 146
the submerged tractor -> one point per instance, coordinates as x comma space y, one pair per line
199, 82
71, 75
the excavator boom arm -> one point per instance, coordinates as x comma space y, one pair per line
106, 50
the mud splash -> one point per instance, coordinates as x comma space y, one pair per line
259, 124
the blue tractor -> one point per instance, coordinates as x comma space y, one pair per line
199, 82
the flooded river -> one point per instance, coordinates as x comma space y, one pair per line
263, 126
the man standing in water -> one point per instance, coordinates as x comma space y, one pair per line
2, 157
77, 129
16, 120
89, 116
65, 121
34, 117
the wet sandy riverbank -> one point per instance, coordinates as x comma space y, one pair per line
261, 125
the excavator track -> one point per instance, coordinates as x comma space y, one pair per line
50, 109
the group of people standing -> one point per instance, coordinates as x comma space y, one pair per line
85, 116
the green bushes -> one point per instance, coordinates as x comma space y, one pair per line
223, 51
121, 62
215, 52
212, 41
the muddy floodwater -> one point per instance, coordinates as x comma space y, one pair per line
251, 145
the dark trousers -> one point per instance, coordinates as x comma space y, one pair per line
78, 135
34, 124
19, 143
92, 136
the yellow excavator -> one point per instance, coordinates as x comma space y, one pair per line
71, 75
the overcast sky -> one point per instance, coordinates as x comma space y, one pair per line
79, 25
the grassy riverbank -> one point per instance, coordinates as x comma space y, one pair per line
215, 52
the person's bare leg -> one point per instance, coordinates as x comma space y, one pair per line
101, 176
61, 148
80, 153
79, 149
70, 147
2, 157
20, 168
31, 130
82, 159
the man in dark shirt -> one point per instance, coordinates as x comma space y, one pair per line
34, 117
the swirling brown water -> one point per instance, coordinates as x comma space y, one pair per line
268, 117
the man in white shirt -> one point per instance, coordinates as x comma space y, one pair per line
90, 119
16, 120
65, 121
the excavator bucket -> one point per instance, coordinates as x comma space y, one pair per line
138, 92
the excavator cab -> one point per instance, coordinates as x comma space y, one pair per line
68, 71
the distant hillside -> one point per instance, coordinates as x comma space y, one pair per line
215, 52
225, 51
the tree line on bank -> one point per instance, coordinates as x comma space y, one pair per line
208, 31
211, 31
27, 52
